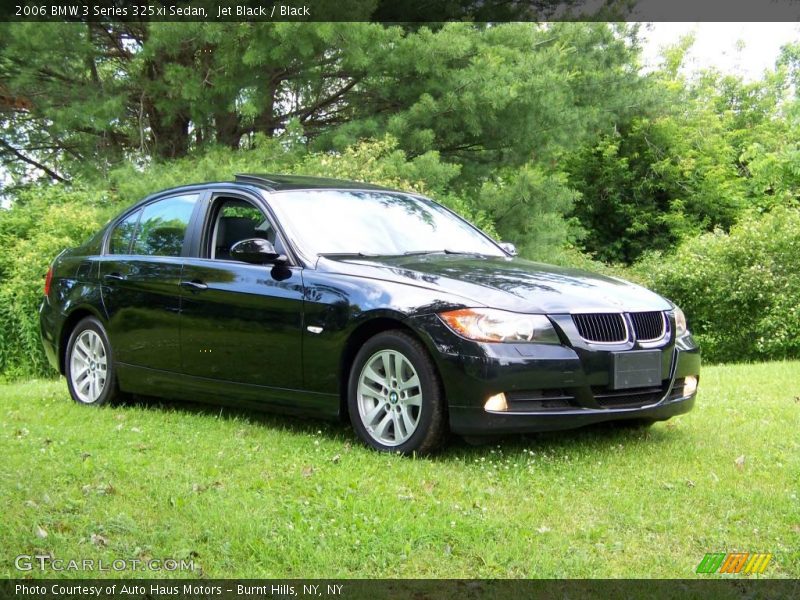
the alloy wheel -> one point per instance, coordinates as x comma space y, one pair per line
389, 397
88, 366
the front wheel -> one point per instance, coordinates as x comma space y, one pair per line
395, 396
89, 367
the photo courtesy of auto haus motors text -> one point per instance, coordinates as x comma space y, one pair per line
166, 590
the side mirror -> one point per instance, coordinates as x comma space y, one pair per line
508, 248
257, 251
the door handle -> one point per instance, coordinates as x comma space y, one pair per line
114, 276
195, 285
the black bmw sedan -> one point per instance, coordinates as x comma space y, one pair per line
334, 298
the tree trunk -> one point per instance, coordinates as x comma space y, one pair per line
265, 122
169, 134
169, 131
228, 129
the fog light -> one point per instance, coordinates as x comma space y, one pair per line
689, 385
496, 402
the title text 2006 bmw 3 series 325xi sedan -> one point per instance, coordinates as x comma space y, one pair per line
335, 298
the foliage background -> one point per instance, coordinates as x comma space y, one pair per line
550, 136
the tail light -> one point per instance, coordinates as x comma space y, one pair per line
47, 280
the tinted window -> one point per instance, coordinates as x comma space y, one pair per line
240, 208
163, 226
121, 237
239, 220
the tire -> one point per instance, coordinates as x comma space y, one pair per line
89, 365
391, 413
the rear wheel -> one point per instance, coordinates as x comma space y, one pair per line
89, 366
395, 396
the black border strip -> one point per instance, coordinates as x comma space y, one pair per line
401, 11
357, 589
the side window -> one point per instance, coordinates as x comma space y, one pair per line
163, 226
122, 236
237, 220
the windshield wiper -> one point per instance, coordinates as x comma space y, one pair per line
409, 253
443, 251
347, 254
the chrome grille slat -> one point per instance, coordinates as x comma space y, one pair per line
611, 328
649, 326
604, 328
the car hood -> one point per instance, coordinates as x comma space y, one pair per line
508, 283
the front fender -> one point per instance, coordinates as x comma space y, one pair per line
336, 305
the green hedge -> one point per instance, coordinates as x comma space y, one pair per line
42, 223
740, 291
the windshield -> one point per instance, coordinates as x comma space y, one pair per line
379, 223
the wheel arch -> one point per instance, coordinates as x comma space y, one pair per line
73, 318
363, 332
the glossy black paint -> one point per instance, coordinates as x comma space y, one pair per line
142, 309
283, 335
508, 283
245, 325
257, 252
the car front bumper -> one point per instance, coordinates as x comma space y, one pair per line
553, 387
466, 420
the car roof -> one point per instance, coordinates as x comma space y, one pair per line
267, 182
277, 183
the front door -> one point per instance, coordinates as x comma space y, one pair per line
241, 322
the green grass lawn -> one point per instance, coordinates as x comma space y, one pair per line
250, 495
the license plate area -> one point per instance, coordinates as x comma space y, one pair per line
636, 369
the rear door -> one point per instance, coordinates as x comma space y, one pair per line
140, 274
240, 322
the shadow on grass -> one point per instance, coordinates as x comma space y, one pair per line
597, 436
266, 418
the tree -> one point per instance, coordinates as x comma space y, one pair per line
696, 155
81, 92
491, 99
76, 93
494, 95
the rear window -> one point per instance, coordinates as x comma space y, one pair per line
122, 236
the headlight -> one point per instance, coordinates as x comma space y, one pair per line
492, 325
680, 322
